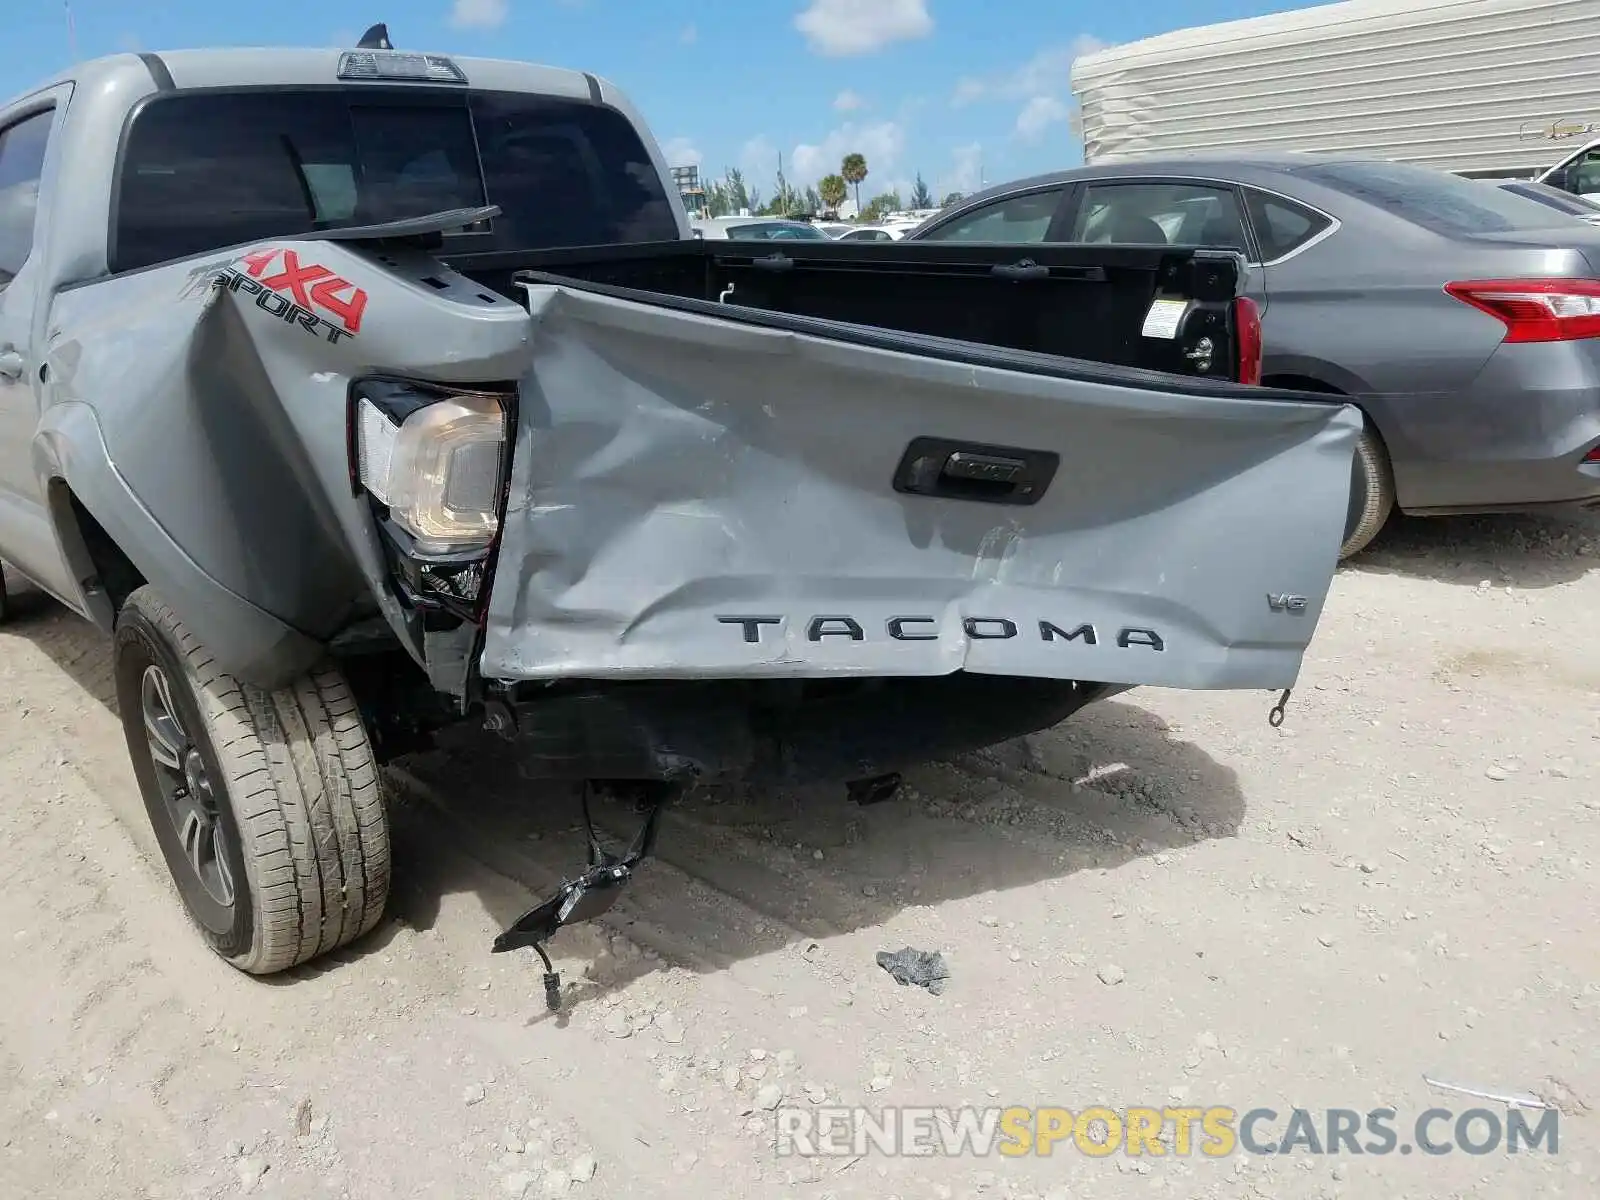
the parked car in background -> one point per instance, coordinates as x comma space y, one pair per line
1463, 319
757, 229
874, 233
1581, 207
834, 228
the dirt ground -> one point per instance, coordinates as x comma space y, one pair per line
1162, 902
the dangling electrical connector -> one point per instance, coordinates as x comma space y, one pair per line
591, 893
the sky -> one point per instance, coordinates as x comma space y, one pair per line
964, 92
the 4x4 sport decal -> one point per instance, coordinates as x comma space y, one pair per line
306, 295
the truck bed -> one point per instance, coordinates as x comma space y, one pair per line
721, 471
1094, 304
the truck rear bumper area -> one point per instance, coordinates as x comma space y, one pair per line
775, 732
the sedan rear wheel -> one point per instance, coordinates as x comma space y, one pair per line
1371, 494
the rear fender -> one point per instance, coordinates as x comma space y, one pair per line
71, 456
198, 411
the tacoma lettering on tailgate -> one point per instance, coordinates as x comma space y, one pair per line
977, 629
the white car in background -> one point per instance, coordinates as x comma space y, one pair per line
761, 229
875, 233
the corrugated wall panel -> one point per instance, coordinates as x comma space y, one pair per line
1456, 84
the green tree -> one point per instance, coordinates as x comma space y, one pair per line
738, 195
921, 196
833, 190
854, 170
881, 206
785, 200
813, 201
952, 198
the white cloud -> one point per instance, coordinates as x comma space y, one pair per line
968, 90
1038, 114
900, 187
1049, 72
681, 152
689, 35
848, 101
479, 14
1043, 85
966, 171
839, 28
881, 143
758, 159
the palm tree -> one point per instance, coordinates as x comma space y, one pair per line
854, 170
832, 190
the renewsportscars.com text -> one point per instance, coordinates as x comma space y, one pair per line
1211, 1132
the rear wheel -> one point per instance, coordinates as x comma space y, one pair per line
1371, 494
1371, 478
267, 805
5, 603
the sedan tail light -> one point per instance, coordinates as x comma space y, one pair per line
1536, 310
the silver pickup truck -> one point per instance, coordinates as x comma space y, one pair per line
358, 393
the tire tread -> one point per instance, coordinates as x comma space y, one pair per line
308, 798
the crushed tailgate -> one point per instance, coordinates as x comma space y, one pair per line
698, 496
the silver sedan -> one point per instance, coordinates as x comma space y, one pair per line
1462, 318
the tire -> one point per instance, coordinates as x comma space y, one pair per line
275, 830
5, 600
1371, 494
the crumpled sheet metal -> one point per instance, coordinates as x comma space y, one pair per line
673, 473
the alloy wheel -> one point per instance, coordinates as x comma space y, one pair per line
186, 788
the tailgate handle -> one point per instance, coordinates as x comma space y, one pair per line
1026, 269
987, 468
774, 262
968, 471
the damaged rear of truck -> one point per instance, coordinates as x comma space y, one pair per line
358, 394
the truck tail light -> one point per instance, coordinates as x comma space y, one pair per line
433, 461
1536, 310
433, 458
1247, 332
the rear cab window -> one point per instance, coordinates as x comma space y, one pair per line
209, 170
1435, 200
